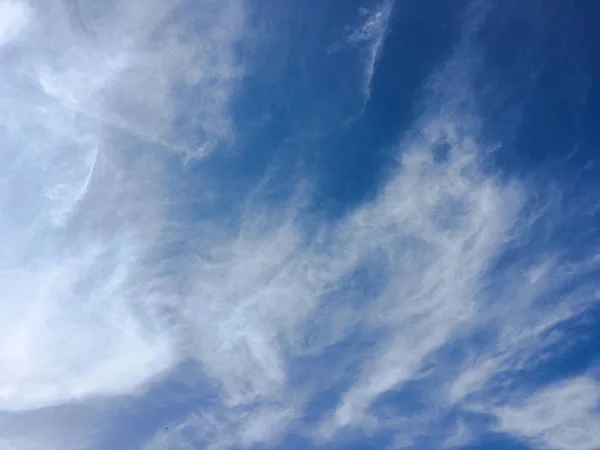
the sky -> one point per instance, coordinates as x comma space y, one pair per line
277, 224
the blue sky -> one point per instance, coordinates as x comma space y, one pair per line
232, 224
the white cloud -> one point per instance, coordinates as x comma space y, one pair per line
523, 325
73, 427
95, 302
433, 231
439, 225
14, 16
434, 235
88, 99
261, 425
369, 37
564, 416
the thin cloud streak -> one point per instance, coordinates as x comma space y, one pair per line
370, 38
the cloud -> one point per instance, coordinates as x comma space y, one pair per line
439, 224
431, 235
90, 97
373, 31
259, 426
417, 270
107, 293
369, 38
14, 16
561, 416
74, 427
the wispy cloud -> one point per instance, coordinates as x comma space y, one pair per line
90, 96
560, 417
370, 37
13, 18
431, 241
105, 290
